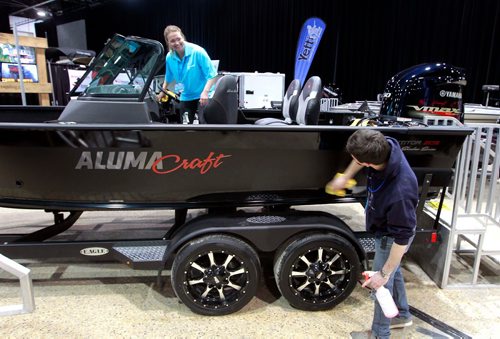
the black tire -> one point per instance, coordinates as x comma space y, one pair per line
216, 274
316, 272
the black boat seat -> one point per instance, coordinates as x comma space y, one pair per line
222, 108
309, 102
289, 109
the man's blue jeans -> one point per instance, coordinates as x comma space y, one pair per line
396, 285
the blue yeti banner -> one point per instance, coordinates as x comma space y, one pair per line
310, 36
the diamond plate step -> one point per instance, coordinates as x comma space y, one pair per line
142, 253
147, 256
368, 244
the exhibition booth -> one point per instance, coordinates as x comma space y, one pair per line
245, 182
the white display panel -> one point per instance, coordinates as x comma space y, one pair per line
257, 90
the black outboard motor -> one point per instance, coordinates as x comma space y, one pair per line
433, 89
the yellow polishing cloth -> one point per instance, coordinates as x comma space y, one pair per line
341, 193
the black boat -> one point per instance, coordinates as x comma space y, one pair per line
110, 149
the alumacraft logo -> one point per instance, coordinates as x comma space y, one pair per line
156, 161
94, 251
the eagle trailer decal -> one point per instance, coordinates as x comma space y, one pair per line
94, 251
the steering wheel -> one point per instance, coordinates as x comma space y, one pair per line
169, 95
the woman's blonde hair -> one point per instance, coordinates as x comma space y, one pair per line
170, 29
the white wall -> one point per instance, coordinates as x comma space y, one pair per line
26, 26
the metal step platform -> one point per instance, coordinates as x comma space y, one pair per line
144, 255
367, 241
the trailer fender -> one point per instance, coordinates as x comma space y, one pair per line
266, 233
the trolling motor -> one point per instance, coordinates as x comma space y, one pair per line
430, 89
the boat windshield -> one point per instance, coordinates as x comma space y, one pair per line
124, 69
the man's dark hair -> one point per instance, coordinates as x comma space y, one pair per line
368, 145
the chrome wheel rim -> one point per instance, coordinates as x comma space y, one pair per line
216, 279
320, 275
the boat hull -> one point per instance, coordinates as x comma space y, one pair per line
54, 166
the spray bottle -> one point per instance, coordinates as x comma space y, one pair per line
384, 298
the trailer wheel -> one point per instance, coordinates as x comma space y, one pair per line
317, 272
216, 274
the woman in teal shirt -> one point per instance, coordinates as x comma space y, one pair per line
191, 68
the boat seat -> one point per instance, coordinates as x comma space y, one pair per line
289, 109
222, 108
309, 102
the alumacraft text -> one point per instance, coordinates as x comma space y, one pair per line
156, 161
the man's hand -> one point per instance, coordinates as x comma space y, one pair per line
392, 262
375, 281
337, 183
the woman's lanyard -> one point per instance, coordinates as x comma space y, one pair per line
182, 68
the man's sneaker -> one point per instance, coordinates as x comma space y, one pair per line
400, 322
